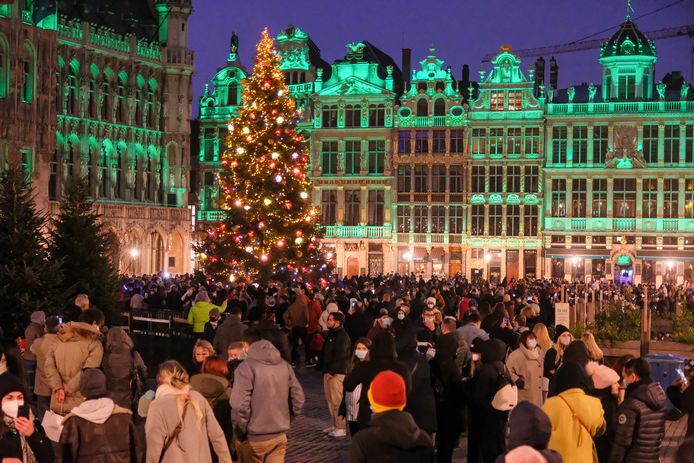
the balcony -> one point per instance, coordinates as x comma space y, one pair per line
670, 225
422, 121
624, 225
357, 231
210, 216
578, 224
301, 88
439, 121
608, 225
180, 55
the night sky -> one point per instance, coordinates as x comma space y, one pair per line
462, 31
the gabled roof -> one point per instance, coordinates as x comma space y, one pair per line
365, 51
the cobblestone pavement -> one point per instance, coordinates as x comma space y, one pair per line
307, 443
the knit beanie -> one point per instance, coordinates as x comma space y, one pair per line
524, 454
558, 330
387, 392
10, 383
93, 384
332, 307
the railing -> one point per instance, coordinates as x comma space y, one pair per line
670, 225
70, 29
301, 88
357, 231
422, 121
211, 216
108, 39
156, 323
620, 107
625, 225
148, 50
578, 224
143, 212
180, 55
439, 121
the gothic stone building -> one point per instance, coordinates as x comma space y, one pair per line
102, 90
416, 171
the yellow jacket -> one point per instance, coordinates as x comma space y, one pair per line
200, 314
573, 440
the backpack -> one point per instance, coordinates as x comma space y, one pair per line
506, 396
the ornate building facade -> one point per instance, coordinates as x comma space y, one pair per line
416, 171
87, 91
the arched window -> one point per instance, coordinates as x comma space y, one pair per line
422, 107
120, 99
106, 103
69, 160
440, 107
4, 66
28, 74
91, 154
157, 252
117, 167
233, 94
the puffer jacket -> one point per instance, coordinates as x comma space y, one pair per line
99, 431
640, 424
120, 365
79, 348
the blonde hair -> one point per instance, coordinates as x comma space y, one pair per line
172, 373
82, 301
542, 336
204, 344
561, 348
596, 353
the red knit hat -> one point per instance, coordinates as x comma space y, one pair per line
387, 392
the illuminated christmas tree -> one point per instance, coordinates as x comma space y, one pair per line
270, 226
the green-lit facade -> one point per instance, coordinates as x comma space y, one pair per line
417, 171
104, 92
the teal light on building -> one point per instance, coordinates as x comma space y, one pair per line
418, 171
103, 94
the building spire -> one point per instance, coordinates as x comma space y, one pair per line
630, 9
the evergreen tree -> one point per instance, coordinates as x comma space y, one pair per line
29, 280
82, 246
270, 226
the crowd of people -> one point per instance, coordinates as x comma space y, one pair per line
408, 367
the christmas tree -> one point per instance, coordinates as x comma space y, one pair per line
270, 227
82, 245
29, 280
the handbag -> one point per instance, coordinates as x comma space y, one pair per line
52, 424
506, 396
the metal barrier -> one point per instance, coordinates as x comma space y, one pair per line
157, 323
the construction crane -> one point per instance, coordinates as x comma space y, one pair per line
570, 47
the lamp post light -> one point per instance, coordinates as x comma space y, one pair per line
134, 254
576, 261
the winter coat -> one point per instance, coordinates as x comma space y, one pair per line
33, 332
40, 445
470, 332
445, 374
487, 425
683, 401
391, 437
420, 402
573, 440
121, 363
217, 391
640, 424
192, 443
99, 431
230, 331
314, 315
529, 425
525, 367
382, 357
266, 394
337, 352
603, 444
200, 314
41, 348
79, 348
297, 313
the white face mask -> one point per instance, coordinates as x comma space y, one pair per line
11, 407
429, 319
386, 322
564, 340
401, 316
361, 354
532, 343
475, 357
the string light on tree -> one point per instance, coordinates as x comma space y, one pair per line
270, 224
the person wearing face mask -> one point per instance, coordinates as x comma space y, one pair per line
525, 365
349, 409
640, 418
428, 330
21, 439
382, 324
336, 355
554, 356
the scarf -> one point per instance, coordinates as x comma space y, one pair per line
183, 398
27, 453
530, 354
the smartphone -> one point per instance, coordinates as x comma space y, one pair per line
506, 320
23, 411
60, 320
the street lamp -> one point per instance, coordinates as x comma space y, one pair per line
134, 253
576, 261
